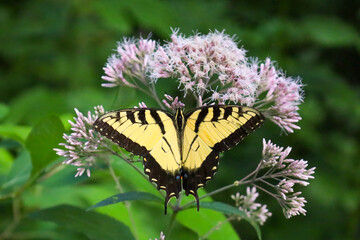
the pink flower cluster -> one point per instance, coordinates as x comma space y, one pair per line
246, 203
215, 70
283, 94
198, 61
172, 103
162, 237
129, 62
82, 144
288, 172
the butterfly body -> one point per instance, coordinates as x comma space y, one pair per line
179, 151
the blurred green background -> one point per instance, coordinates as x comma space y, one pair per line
51, 58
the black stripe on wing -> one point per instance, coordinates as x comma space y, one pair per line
108, 131
233, 139
170, 183
194, 179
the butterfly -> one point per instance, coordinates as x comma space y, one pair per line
180, 151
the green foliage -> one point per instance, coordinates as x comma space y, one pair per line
3, 110
228, 209
330, 31
18, 175
51, 60
125, 197
207, 220
44, 136
15, 132
91, 224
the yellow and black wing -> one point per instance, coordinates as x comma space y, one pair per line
208, 131
151, 134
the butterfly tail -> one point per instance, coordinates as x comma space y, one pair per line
167, 199
197, 200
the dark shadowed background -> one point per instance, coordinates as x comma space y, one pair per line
51, 58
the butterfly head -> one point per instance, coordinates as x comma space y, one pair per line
179, 119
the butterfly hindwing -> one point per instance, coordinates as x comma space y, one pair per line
209, 131
151, 134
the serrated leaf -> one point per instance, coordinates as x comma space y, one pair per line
228, 209
45, 136
92, 224
125, 197
19, 173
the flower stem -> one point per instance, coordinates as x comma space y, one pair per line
171, 223
264, 190
154, 94
16, 218
127, 204
236, 183
126, 160
209, 194
216, 227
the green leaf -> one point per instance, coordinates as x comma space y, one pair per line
224, 208
153, 14
331, 31
19, 173
45, 136
6, 160
112, 14
125, 197
144, 212
94, 225
228, 209
203, 221
17, 133
4, 109
34, 104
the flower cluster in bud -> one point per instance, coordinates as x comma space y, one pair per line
246, 203
172, 103
287, 172
82, 144
128, 66
162, 237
